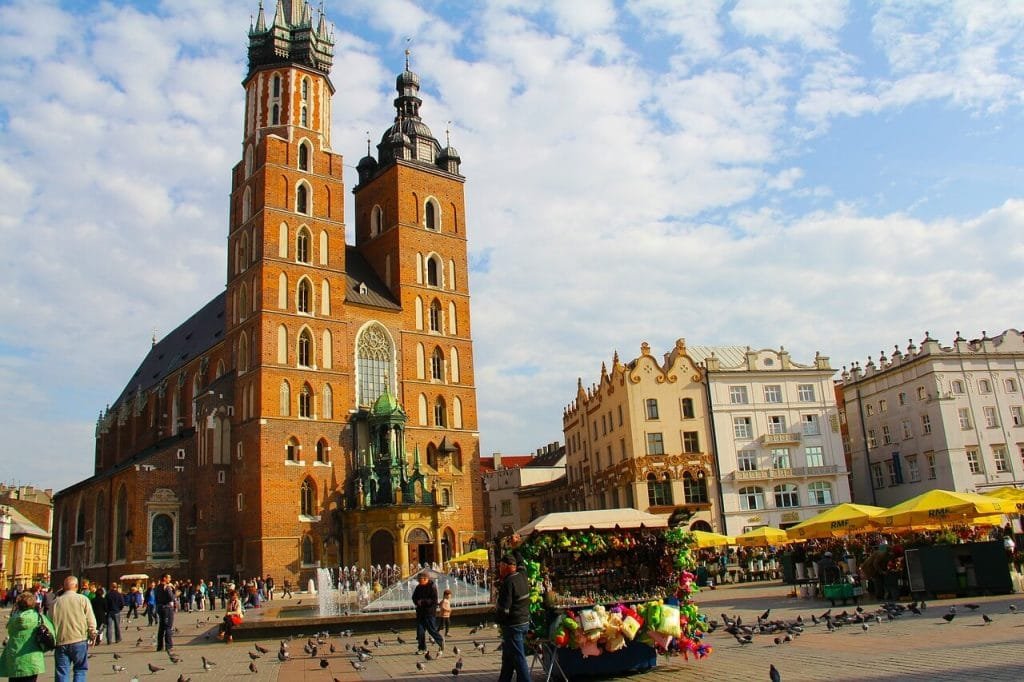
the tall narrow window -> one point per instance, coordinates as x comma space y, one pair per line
437, 365
291, 450
376, 221
305, 349
440, 413
374, 366
307, 506
435, 316
275, 115
322, 451
304, 116
687, 407
306, 402
430, 216
327, 400
304, 157
302, 246
302, 199
285, 400
304, 299
433, 273
276, 88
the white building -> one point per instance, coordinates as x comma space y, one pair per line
949, 417
508, 510
777, 439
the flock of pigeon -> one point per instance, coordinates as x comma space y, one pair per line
782, 631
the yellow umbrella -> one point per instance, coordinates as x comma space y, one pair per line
1007, 492
760, 537
705, 539
941, 507
839, 520
477, 555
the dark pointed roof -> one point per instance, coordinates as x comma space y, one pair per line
362, 284
192, 338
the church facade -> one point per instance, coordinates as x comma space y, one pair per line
321, 410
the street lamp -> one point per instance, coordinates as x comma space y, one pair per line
5, 536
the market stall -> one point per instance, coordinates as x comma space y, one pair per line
610, 590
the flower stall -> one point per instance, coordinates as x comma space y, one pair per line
610, 590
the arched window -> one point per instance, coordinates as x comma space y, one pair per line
99, 531
302, 199
325, 298
432, 455
161, 536
322, 451
282, 344
285, 399
433, 272
243, 302
437, 365
786, 495
304, 297
120, 523
276, 87
305, 349
659, 491
328, 402
453, 325
819, 493
324, 253
374, 367
304, 116
446, 497
957, 387
435, 316
302, 245
282, 291
243, 353
246, 209
457, 412
430, 216
453, 366
80, 524
451, 275
984, 386
421, 404
306, 402
291, 450
304, 156
248, 160
457, 456
440, 413
695, 490
751, 497
308, 556
275, 115
307, 502
376, 221
327, 349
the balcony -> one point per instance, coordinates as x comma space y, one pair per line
779, 438
786, 472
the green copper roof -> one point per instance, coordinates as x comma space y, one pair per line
386, 405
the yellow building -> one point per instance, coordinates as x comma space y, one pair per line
641, 438
26, 553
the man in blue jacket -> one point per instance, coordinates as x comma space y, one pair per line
115, 604
512, 613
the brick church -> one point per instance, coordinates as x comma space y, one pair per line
321, 410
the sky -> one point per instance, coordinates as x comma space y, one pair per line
834, 177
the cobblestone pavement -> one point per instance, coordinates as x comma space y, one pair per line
911, 648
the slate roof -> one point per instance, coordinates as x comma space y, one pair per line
358, 271
192, 338
20, 525
549, 459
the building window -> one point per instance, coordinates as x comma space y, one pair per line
620, 415
786, 495
435, 316
773, 394
913, 471
886, 434
302, 246
437, 365
506, 507
432, 456
276, 85
275, 115
872, 439
305, 349
777, 424
440, 415
890, 467
930, 458
161, 538
374, 364
304, 156
922, 394
973, 460
284, 407
304, 297
965, 418
1002, 461
870, 409
751, 498
691, 442
876, 476
926, 423
322, 451
304, 116
991, 419
695, 490
903, 398
780, 458
747, 460
291, 450
652, 408
307, 505
302, 199
741, 427
810, 424
957, 387
805, 393
655, 444
883, 406
305, 402
984, 386
813, 455
1011, 385
327, 402
908, 431
659, 491
687, 406
819, 493
308, 558
1017, 415
433, 272
738, 395
430, 215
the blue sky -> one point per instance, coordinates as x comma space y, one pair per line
826, 176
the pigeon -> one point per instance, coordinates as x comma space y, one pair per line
972, 607
419, 665
252, 667
923, 606
400, 640
455, 650
262, 650
773, 674
864, 627
207, 664
298, 602
764, 616
429, 656
154, 668
255, 655
778, 641
182, 678
119, 668
458, 663
472, 631
138, 642
1013, 608
455, 672
175, 658
948, 617
324, 663
117, 656
985, 617
358, 666
282, 655
333, 649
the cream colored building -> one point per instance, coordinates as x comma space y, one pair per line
937, 416
777, 438
640, 437
508, 507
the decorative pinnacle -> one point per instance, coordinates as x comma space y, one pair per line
448, 135
367, 142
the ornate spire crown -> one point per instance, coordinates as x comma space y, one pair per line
291, 38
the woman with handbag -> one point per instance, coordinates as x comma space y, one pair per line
22, 658
232, 618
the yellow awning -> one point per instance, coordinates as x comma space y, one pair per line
839, 520
942, 507
762, 537
477, 555
705, 539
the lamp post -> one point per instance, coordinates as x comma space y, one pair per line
5, 536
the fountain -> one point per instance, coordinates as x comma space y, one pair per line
328, 593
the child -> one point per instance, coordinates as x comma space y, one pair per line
445, 611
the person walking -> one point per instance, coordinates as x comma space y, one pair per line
74, 626
286, 590
151, 617
99, 610
115, 605
444, 610
22, 659
512, 613
133, 602
425, 599
232, 618
165, 614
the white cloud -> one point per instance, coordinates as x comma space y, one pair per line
814, 24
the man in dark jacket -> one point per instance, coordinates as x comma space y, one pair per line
115, 604
165, 614
513, 614
425, 599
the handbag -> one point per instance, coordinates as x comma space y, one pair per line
44, 638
